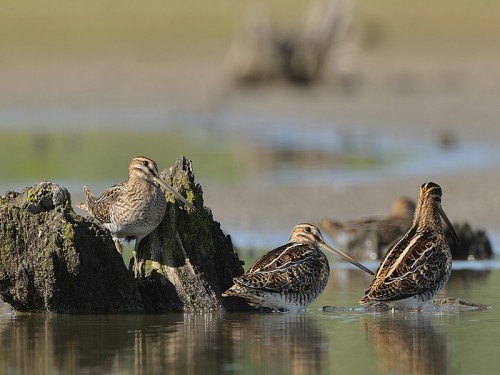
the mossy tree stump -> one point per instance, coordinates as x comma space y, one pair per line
52, 259
189, 260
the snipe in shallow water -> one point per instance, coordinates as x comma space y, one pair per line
291, 276
416, 267
388, 228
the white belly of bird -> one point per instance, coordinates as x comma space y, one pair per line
291, 302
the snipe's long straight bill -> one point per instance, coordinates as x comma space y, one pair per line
175, 193
344, 256
449, 225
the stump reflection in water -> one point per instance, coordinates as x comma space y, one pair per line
150, 344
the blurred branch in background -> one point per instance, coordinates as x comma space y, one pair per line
264, 54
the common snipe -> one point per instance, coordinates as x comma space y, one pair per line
134, 208
370, 237
291, 276
416, 267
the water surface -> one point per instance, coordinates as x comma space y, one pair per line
345, 341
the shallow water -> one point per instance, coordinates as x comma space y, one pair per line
347, 341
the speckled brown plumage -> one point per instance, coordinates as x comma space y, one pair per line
291, 276
134, 208
415, 268
388, 228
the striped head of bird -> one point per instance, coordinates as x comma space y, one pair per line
429, 208
310, 234
145, 168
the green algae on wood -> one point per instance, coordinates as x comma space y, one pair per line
190, 261
54, 260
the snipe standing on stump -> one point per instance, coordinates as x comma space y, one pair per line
416, 267
134, 208
291, 276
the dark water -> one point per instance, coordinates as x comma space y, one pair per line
346, 341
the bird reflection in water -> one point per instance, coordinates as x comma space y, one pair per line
408, 344
215, 343
279, 343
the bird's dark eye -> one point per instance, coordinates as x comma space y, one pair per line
145, 163
307, 229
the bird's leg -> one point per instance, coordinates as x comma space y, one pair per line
118, 245
138, 262
135, 267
